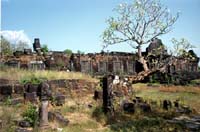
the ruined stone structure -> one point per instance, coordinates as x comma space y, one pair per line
120, 63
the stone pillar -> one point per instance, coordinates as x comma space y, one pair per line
44, 114
108, 95
44, 93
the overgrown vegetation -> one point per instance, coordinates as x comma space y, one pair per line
31, 114
32, 80
20, 74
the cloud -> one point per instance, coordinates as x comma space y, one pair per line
15, 37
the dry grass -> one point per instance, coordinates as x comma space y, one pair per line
18, 74
175, 89
188, 95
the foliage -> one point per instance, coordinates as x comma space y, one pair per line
8, 101
187, 94
145, 124
68, 52
31, 114
44, 48
181, 48
7, 116
80, 52
32, 80
21, 74
5, 47
139, 23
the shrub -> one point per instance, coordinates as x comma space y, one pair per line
31, 114
7, 101
32, 80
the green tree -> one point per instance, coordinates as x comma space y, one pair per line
5, 47
68, 51
137, 24
44, 48
80, 52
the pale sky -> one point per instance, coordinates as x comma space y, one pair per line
78, 24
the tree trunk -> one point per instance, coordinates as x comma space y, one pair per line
141, 59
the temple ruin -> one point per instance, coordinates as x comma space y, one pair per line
103, 63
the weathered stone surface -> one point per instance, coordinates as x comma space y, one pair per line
43, 112
27, 51
4, 81
184, 110
32, 88
44, 91
58, 117
98, 94
6, 89
24, 124
19, 129
59, 100
167, 104
18, 89
190, 123
128, 106
16, 101
176, 103
139, 99
145, 107
32, 97
108, 94
62, 83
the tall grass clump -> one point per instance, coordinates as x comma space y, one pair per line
19, 74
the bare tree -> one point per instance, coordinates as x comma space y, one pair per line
20, 46
181, 47
137, 24
5, 46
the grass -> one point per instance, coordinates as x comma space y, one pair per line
8, 115
188, 95
92, 119
20, 74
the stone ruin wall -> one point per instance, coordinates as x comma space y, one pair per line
97, 63
20, 92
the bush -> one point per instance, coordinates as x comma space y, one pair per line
31, 114
7, 101
32, 80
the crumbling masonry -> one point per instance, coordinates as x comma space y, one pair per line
120, 63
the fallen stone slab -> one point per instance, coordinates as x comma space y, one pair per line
189, 123
16, 101
24, 123
19, 129
128, 106
57, 116
145, 107
59, 100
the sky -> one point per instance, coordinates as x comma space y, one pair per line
78, 24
